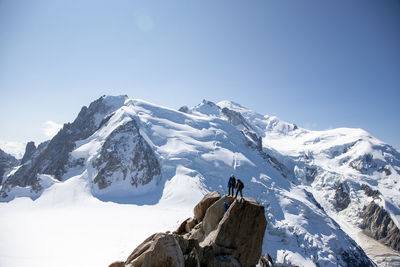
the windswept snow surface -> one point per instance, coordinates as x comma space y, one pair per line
197, 152
67, 226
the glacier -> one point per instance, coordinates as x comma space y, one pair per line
126, 168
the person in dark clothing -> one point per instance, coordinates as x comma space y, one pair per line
231, 184
239, 188
226, 206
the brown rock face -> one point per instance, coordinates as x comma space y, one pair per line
201, 208
221, 239
378, 225
159, 250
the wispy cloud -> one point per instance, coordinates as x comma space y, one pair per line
51, 128
16, 149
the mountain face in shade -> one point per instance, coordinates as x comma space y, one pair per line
7, 162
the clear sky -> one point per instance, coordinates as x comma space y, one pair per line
319, 64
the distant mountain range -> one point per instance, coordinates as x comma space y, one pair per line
318, 187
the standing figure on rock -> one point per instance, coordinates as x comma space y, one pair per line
231, 184
239, 186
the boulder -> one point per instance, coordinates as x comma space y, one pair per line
215, 213
117, 264
222, 239
157, 251
186, 226
240, 232
201, 208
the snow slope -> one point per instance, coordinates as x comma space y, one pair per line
293, 172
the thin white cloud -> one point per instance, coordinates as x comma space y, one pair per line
51, 128
16, 149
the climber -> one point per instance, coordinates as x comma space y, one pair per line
226, 206
231, 184
239, 188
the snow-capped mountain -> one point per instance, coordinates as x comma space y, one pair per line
318, 187
7, 162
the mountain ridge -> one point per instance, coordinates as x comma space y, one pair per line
295, 173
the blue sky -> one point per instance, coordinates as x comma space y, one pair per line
319, 64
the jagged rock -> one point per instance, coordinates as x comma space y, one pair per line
342, 196
369, 192
126, 153
275, 163
53, 158
7, 161
266, 261
311, 173
223, 239
386, 170
201, 208
240, 232
29, 151
235, 118
214, 214
378, 224
253, 139
183, 109
366, 163
186, 226
157, 251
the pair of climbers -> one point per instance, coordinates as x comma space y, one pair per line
233, 183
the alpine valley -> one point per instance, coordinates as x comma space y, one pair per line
126, 168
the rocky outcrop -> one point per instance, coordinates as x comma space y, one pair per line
29, 151
369, 191
378, 224
366, 163
184, 109
126, 154
235, 118
201, 208
53, 158
219, 239
342, 196
160, 249
7, 162
266, 261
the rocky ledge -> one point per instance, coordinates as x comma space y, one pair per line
213, 237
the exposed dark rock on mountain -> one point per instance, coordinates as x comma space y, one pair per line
54, 158
231, 238
183, 109
236, 118
126, 154
378, 224
369, 191
311, 173
342, 196
266, 261
29, 151
7, 161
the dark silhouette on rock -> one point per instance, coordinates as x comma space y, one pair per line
213, 239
